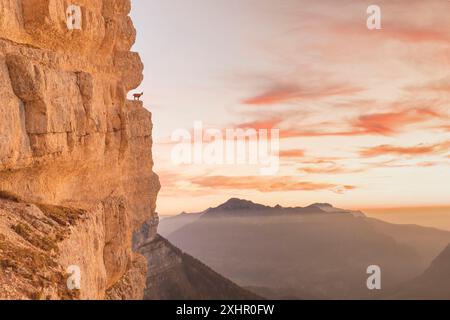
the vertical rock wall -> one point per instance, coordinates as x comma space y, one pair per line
69, 137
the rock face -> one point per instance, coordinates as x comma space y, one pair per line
71, 140
174, 275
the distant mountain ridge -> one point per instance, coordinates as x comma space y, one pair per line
239, 207
239, 204
303, 252
244, 208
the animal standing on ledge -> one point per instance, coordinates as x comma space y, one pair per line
137, 96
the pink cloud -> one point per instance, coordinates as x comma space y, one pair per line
287, 93
265, 184
292, 153
421, 149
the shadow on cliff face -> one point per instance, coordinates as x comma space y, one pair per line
174, 275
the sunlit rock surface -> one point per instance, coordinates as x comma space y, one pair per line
70, 139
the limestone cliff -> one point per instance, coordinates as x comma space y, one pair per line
75, 155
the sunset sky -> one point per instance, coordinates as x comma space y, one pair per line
364, 115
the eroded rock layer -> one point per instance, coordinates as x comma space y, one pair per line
70, 139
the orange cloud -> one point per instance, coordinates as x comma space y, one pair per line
293, 133
388, 123
332, 169
261, 124
441, 85
265, 184
395, 31
288, 93
409, 151
443, 127
273, 96
169, 178
415, 35
322, 160
327, 166
428, 164
293, 153
393, 122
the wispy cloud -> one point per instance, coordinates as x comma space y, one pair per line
375, 102
266, 184
278, 93
393, 122
394, 31
437, 86
268, 123
330, 169
292, 153
421, 149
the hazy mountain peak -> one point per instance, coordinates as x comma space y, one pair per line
241, 207
329, 208
240, 204
322, 205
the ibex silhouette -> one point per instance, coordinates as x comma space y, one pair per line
137, 96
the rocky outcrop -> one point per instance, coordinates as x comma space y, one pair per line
71, 140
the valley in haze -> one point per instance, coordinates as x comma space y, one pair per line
313, 252
434, 217
174, 275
